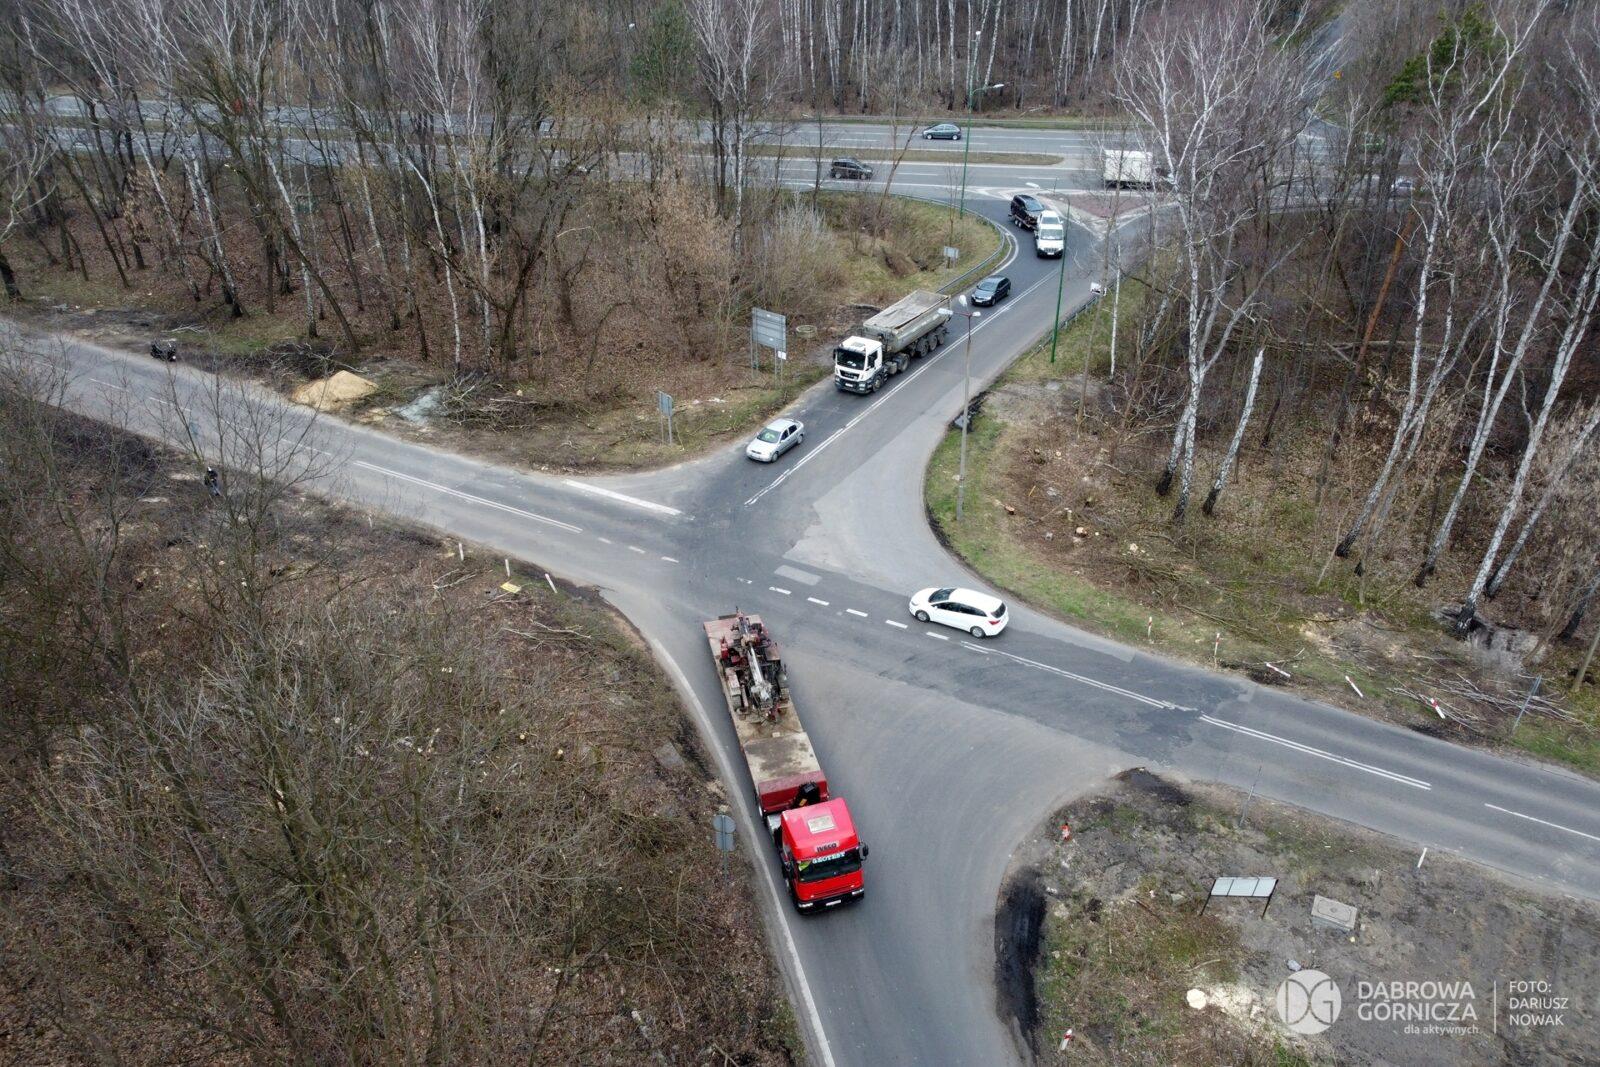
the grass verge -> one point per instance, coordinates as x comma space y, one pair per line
953, 156
1059, 512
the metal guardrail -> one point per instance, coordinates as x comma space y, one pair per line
954, 285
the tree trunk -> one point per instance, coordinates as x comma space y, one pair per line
1238, 435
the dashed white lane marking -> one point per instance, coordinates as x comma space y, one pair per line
603, 540
1166, 705
897, 625
110, 385
778, 589
1542, 822
907, 379
1415, 783
636, 548
747, 581
853, 611
936, 637
814, 600
459, 495
622, 498
668, 559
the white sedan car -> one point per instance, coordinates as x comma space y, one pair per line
980, 614
776, 438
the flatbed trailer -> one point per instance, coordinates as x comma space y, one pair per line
813, 832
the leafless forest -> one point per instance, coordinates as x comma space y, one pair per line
1376, 234
1389, 294
284, 785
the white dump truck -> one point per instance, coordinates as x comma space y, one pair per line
1125, 167
887, 342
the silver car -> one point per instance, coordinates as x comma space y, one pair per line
776, 438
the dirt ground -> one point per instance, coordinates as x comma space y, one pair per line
544, 422
1104, 934
1068, 520
612, 718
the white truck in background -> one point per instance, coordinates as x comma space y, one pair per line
1126, 167
887, 342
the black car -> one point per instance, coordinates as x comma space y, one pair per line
849, 167
944, 131
991, 290
1025, 211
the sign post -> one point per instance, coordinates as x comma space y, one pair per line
769, 329
722, 830
664, 412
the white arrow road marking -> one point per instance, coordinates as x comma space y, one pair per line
622, 498
1165, 705
1542, 822
1415, 783
459, 495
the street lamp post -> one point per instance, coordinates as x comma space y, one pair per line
969, 313
967, 149
1061, 283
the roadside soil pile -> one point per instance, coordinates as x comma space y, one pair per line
1125, 958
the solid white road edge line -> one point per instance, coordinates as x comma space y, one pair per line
1541, 822
762, 875
623, 498
1165, 705
1415, 783
459, 495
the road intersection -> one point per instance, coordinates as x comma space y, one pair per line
949, 750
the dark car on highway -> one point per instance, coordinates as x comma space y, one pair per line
944, 131
849, 167
991, 290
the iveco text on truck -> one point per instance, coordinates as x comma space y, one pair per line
818, 848
889, 340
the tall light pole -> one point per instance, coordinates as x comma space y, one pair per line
969, 313
967, 137
1061, 283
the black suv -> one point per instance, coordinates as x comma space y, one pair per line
1025, 211
849, 167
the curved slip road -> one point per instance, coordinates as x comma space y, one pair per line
949, 750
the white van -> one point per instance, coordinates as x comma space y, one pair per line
1050, 235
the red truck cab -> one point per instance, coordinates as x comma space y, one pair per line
821, 855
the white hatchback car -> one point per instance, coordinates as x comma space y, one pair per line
776, 438
980, 614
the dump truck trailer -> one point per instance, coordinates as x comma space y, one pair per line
888, 342
819, 850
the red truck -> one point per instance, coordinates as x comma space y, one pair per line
818, 847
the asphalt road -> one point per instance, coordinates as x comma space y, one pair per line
948, 749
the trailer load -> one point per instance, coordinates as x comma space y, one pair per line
888, 342
818, 848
